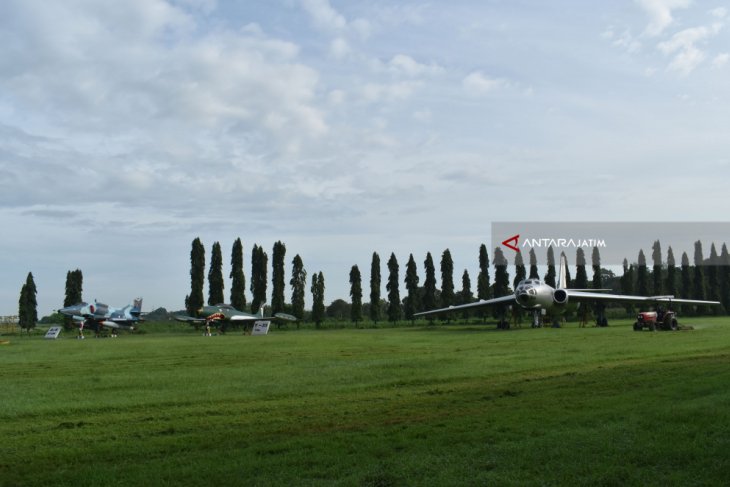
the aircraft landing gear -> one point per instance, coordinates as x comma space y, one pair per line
536, 319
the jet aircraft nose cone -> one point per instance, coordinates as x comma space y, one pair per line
70, 310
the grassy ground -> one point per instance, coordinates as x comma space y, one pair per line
465, 405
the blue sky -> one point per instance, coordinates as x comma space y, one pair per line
127, 129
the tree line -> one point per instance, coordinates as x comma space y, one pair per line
707, 278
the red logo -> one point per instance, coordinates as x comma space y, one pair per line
515, 239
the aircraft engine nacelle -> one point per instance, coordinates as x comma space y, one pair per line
560, 297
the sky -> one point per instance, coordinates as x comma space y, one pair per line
342, 128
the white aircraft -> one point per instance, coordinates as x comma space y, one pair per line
534, 295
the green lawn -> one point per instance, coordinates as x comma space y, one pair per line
464, 405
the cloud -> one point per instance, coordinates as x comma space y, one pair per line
477, 83
682, 46
720, 60
660, 14
323, 15
402, 64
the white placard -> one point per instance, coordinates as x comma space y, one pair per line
260, 328
53, 332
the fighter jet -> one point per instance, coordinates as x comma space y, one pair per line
99, 315
225, 314
534, 295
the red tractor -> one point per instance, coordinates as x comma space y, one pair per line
664, 320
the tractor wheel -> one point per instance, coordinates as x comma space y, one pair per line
674, 325
652, 326
637, 326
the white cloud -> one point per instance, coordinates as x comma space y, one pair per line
660, 13
478, 83
405, 65
720, 60
719, 12
683, 47
339, 48
323, 15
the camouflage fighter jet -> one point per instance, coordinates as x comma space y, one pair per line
223, 315
98, 315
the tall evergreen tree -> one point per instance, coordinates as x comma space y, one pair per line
581, 277
394, 311
318, 298
74, 291
356, 295
501, 281
671, 283
483, 285
725, 278
277, 277
259, 271
194, 301
375, 288
447, 279
411, 281
699, 290
429, 286
28, 305
713, 279
501, 276
465, 295
238, 280
597, 283
627, 284
686, 283
550, 277
656, 256
533, 265
520, 271
215, 276
642, 285
298, 286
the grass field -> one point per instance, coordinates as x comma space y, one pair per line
457, 405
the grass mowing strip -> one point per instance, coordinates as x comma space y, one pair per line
419, 406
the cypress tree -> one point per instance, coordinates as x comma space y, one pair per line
699, 290
501, 276
520, 271
259, 271
215, 276
447, 279
597, 283
465, 295
394, 311
725, 278
238, 280
713, 279
298, 286
194, 301
277, 277
550, 277
483, 287
74, 288
356, 295
642, 286
28, 305
627, 284
671, 283
686, 283
501, 281
656, 256
375, 288
411, 281
318, 298
581, 277
429, 286
533, 265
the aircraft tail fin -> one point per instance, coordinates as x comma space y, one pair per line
136, 307
562, 271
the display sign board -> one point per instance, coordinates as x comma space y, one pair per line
53, 332
261, 328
